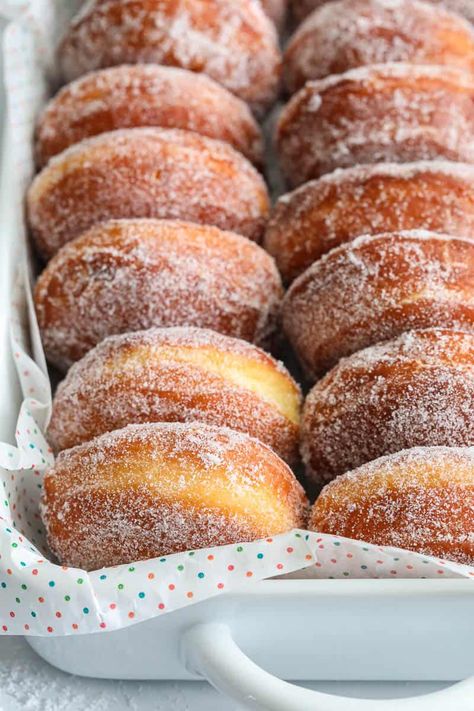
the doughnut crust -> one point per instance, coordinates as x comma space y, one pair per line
302, 8
420, 499
128, 275
177, 375
382, 113
417, 390
145, 172
346, 34
130, 96
234, 43
368, 199
276, 11
151, 490
376, 288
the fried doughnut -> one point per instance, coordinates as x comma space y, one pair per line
376, 288
177, 375
346, 34
420, 499
417, 390
369, 199
235, 43
465, 8
128, 275
381, 113
130, 96
145, 172
155, 489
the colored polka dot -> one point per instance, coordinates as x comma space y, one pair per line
171, 586
74, 626
67, 598
27, 627
50, 629
41, 599
102, 625
17, 599
220, 585
4, 585
24, 587
260, 555
337, 543
191, 553
103, 577
161, 606
130, 570
131, 615
120, 586
201, 576
279, 566
80, 581
85, 610
112, 605
230, 567
364, 567
180, 567
289, 550
12, 614
189, 594
239, 549
141, 595
151, 576
33, 614
51, 583
210, 557
4, 628
58, 614
249, 573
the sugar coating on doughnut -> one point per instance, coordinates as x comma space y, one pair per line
420, 499
417, 390
177, 374
130, 96
145, 172
349, 33
235, 43
376, 288
380, 113
129, 275
369, 199
155, 489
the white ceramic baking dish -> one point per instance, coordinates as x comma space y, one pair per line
294, 629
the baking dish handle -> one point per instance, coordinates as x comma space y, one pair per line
210, 651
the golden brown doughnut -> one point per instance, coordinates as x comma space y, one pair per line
145, 172
417, 390
381, 113
177, 375
235, 43
346, 34
376, 288
130, 96
369, 199
420, 499
128, 275
151, 490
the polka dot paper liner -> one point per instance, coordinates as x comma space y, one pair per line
38, 597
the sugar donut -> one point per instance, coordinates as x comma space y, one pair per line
130, 96
376, 288
235, 43
417, 390
145, 172
381, 113
177, 375
346, 34
151, 490
128, 275
368, 199
420, 499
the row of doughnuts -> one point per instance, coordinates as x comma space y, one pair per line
376, 245
143, 187
170, 424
